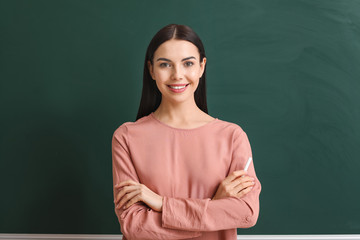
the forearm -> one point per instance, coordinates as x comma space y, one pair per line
211, 215
141, 222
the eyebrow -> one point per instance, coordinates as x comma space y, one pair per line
168, 60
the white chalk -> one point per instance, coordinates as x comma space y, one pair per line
248, 164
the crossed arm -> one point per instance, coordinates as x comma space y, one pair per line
149, 215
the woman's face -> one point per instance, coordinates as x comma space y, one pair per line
177, 62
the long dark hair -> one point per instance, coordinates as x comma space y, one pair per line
151, 96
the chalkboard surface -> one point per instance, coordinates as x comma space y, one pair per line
286, 71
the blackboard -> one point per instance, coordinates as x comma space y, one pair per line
286, 71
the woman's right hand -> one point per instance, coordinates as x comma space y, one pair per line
237, 184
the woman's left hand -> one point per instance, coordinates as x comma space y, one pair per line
133, 192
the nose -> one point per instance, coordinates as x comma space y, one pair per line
177, 73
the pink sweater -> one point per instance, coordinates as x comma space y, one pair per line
185, 166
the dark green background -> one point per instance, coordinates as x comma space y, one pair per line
286, 71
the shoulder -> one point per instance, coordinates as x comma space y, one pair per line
127, 127
232, 131
237, 137
230, 127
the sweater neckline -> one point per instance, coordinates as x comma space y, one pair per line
182, 129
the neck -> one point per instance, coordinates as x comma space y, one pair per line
184, 112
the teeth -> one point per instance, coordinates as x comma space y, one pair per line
178, 87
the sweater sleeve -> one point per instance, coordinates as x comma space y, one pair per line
138, 221
226, 213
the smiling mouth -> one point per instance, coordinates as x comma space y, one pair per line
178, 87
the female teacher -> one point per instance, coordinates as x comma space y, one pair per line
178, 173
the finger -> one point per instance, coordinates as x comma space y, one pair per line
127, 197
234, 175
124, 191
125, 183
238, 181
133, 200
122, 184
244, 192
244, 178
243, 186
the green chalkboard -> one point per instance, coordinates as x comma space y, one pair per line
286, 71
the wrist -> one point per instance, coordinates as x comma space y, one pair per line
162, 202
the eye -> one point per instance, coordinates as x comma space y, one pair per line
188, 64
164, 64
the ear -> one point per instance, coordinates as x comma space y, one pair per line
202, 66
150, 67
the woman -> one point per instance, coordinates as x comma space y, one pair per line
177, 171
